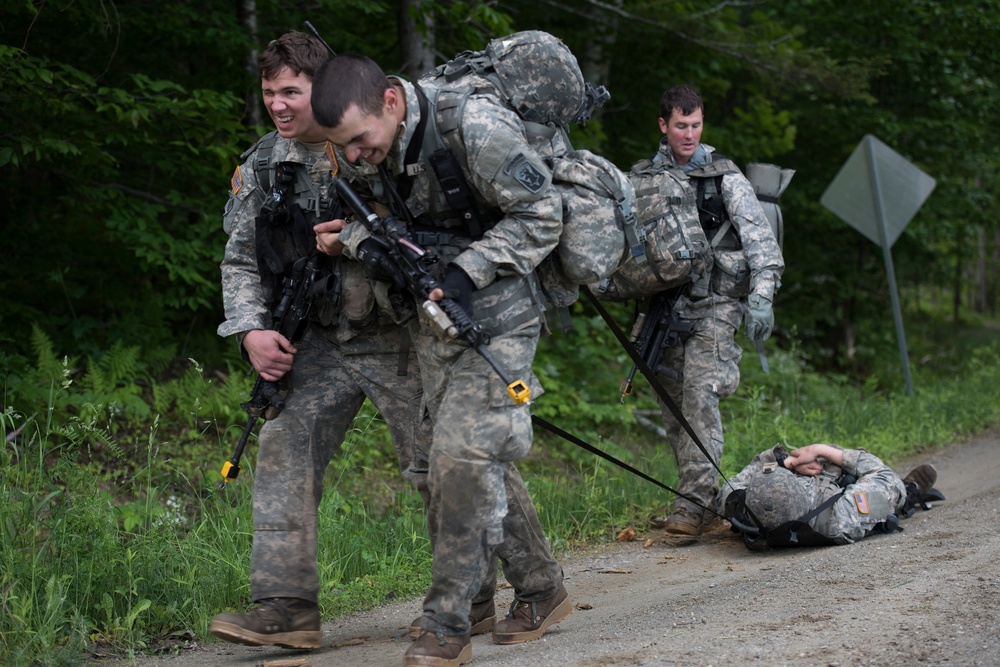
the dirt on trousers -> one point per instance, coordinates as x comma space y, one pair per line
929, 595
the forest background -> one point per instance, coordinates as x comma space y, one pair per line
122, 123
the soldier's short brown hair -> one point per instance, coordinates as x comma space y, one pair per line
686, 98
345, 80
301, 53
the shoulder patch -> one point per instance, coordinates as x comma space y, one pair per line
861, 500
236, 182
525, 173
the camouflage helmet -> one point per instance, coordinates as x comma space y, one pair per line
776, 495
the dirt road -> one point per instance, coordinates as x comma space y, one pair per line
926, 596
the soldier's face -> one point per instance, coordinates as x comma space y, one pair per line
683, 133
286, 98
366, 136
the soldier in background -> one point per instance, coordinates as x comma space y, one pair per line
351, 350
745, 276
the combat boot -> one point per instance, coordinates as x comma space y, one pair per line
682, 522
436, 649
482, 616
529, 620
285, 622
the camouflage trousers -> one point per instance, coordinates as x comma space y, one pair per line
480, 510
328, 388
708, 368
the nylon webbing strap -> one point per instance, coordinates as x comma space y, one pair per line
552, 428
651, 377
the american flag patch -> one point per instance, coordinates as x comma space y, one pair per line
861, 500
237, 181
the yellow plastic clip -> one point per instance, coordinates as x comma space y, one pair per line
230, 471
519, 392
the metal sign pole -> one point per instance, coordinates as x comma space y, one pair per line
883, 233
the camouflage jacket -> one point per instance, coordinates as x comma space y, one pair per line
505, 172
758, 242
247, 300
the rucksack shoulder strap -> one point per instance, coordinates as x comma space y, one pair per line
262, 162
719, 166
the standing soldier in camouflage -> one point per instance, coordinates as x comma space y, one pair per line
480, 504
835, 496
350, 350
746, 275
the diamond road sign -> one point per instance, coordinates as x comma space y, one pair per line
876, 172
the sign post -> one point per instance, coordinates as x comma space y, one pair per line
878, 192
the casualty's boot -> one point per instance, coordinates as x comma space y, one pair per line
529, 620
683, 522
285, 622
919, 489
436, 649
482, 616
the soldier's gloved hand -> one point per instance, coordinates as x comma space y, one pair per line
458, 285
376, 262
759, 318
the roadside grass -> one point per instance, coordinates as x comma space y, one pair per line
115, 538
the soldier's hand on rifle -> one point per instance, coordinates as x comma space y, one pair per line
271, 354
759, 318
457, 285
377, 263
328, 237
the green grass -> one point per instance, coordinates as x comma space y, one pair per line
115, 538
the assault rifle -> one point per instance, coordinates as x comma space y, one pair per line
414, 264
652, 334
308, 279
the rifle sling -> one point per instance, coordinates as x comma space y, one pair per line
651, 377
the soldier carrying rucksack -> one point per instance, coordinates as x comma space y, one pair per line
718, 257
479, 433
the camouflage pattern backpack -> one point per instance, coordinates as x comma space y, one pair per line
677, 250
539, 78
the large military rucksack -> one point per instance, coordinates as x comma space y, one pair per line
676, 250
539, 78
681, 216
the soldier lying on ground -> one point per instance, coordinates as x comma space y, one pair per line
821, 495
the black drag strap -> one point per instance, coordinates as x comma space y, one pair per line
552, 428
651, 377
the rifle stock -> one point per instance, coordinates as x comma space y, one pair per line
652, 334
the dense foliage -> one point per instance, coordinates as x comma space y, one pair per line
122, 122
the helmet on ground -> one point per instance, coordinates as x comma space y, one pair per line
776, 495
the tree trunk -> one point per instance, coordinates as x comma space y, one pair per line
594, 59
416, 37
956, 288
253, 114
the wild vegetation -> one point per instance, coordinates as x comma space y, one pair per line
121, 125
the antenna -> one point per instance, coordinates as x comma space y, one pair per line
314, 31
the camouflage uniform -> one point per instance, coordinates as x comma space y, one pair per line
708, 361
877, 493
479, 506
335, 368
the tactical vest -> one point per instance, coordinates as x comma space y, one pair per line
715, 220
292, 205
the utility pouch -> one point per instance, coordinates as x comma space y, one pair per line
731, 274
